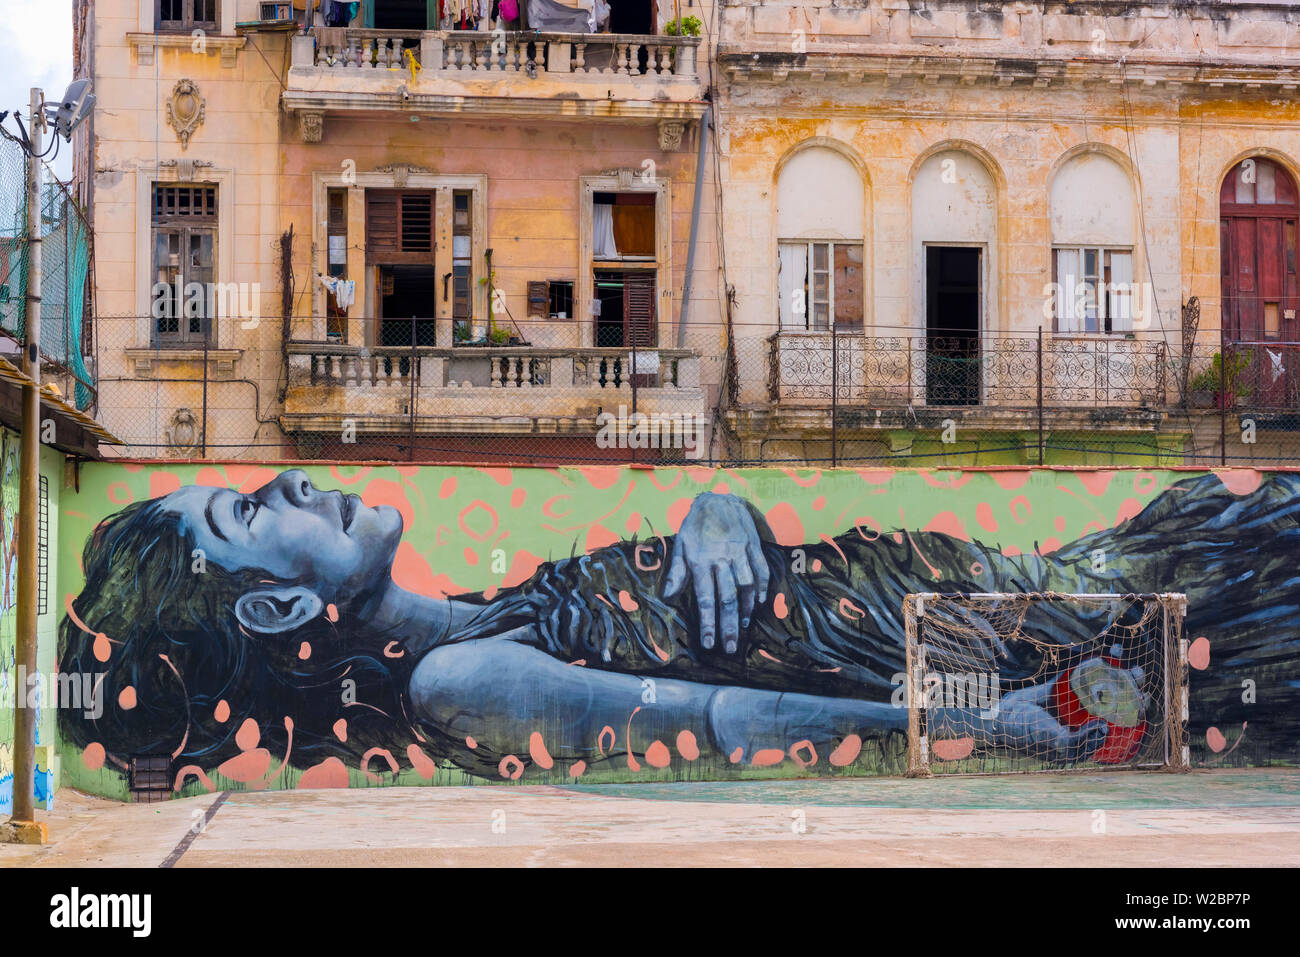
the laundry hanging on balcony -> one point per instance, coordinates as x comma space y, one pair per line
343, 290
548, 16
339, 13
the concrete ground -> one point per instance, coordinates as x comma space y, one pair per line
1217, 818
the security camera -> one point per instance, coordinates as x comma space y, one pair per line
76, 105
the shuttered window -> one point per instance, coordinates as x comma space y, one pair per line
187, 15
399, 226
639, 310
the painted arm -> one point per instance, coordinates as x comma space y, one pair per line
501, 692
719, 551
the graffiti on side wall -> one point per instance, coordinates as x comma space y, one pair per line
357, 625
8, 597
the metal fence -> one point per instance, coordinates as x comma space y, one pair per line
548, 392
65, 270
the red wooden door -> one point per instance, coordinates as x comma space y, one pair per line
1257, 229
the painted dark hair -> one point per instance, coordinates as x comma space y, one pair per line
174, 643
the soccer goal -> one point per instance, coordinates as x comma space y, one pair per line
1013, 682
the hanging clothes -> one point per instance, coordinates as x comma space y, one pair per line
339, 13
343, 290
509, 9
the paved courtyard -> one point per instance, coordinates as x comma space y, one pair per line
1207, 818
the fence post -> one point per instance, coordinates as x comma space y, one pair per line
1040, 395
835, 393
1223, 402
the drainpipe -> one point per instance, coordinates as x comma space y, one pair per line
695, 228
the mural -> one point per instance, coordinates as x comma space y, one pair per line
354, 625
8, 597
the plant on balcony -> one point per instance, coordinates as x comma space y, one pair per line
1221, 385
683, 27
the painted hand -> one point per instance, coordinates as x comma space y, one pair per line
718, 549
1024, 725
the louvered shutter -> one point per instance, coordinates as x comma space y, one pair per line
639, 311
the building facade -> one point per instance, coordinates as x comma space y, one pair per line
939, 180
1059, 232
376, 239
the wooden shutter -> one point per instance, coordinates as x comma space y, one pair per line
539, 300
381, 223
399, 226
639, 310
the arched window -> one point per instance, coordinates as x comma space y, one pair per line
820, 212
1093, 209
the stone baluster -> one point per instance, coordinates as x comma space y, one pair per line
350, 371
580, 57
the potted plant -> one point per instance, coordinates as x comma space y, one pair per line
683, 27
680, 27
1221, 384
1204, 384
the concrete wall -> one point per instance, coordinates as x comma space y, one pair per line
435, 628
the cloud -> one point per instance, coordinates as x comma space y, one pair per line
36, 50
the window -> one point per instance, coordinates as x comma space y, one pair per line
1094, 289
819, 281
399, 225
187, 15
1093, 206
550, 299
820, 216
623, 226
43, 559
184, 258
560, 300
462, 300
337, 240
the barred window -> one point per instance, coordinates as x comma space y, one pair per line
187, 15
184, 263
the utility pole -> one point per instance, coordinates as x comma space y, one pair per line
23, 828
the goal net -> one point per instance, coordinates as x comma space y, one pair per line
1008, 682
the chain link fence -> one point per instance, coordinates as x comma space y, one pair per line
66, 349
549, 392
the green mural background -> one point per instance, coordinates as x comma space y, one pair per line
480, 529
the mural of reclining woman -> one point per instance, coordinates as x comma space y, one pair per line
708, 638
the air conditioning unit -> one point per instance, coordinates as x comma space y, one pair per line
275, 11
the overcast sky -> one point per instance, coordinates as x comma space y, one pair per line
35, 50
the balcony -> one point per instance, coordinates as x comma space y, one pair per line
884, 371
498, 390
522, 75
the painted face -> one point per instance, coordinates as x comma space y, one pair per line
329, 541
